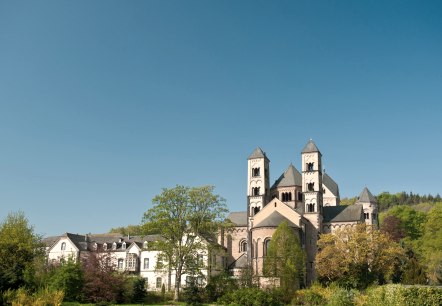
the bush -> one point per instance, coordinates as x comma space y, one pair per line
218, 286
192, 294
331, 296
398, 295
40, 298
251, 297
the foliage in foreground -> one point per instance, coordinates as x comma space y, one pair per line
386, 295
40, 298
252, 297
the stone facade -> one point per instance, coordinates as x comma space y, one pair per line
308, 200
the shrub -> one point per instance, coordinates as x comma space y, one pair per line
398, 295
218, 286
251, 297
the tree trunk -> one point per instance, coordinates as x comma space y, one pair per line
177, 284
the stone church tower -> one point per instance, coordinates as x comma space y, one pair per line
312, 184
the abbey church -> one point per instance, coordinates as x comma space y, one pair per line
308, 200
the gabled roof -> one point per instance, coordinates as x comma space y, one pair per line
239, 218
258, 153
330, 184
291, 177
310, 147
240, 263
366, 197
344, 213
273, 220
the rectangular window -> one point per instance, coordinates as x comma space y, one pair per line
120, 264
159, 282
146, 263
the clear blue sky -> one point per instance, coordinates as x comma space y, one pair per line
103, 103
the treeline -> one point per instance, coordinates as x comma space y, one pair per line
386, 200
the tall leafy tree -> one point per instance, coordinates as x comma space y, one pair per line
19, 249
68, 277
432, 244
184, 217
357, 256
285, 259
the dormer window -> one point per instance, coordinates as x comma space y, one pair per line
145, 245
310, 166
105, 246
95, 246
311, 186
123, 246
114, 246
256, 172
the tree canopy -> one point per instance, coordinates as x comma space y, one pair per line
19, 248
285, 259
357, 256
187, 218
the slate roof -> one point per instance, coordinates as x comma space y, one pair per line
291, 177
258, 153
344, 213
310, 147
330, 184
239, 218
86, 242
273, 220
241, 262
366, 196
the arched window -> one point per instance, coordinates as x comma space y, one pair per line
310, 166
255, 191
256, 172
266, 246
310, 207
311, 186
63, 246
243, 246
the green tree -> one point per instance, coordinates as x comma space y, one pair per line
412, 221
184, 217
130, 230
285, 259
19, 249
357, 256
431, 244
68, 277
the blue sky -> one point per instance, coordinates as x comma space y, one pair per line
103, 103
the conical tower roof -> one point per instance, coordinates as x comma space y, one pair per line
366, 196
291, 177
258, 153
310, 147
